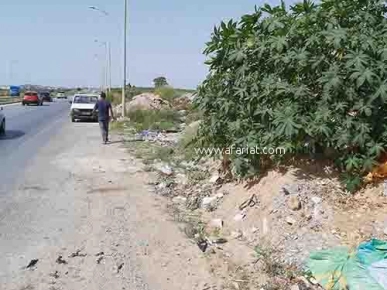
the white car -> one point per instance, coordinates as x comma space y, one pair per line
82, 106
2, 122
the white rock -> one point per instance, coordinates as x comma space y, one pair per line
236, 235
290, 189
290, 220
216, 223
179, 200
385, 231
295, 287
316, 199
239, 217
167, 170
181, 178
209, 201
215, 178
162, 185
265, 226
235, 285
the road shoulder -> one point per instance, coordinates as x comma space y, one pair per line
122, 237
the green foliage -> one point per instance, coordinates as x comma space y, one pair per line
167, 93
186, 143
154, 120
314, 74
160, 82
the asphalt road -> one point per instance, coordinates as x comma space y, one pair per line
28, 129
33, 202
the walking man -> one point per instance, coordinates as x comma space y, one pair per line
104, 108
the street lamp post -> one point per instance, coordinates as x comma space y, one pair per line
108, 71
125, 51
109, 66
106, 66
124, 69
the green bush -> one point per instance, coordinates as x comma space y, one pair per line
166, 93
154, 120
309, 78
187, 143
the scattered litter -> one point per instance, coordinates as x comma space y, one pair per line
294, 203
32, 263
239, 216
77, 254
342, 268
378, 271
162, 185
236, 235
215, 179
379, 172
290, 189
167, 170
54, 275
120, 267
218, 240
60, 260
216, 223
251, 202
179, 199
209, 202
316, 199
290, 220
202, 244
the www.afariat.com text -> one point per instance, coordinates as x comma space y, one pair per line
241, 151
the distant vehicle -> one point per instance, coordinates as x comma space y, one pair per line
14, 91
32, 97
61, 96
2, 122
82, 106
46, 96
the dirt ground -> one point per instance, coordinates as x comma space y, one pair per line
121, 238
125, 235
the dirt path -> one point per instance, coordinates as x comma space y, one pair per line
120, 236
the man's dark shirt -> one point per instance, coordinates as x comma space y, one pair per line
103, 108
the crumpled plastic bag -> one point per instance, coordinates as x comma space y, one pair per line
342, 268
372, 251
327, 267
378, 271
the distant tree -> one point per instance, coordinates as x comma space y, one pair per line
160, 82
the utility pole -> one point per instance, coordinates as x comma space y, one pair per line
124, 72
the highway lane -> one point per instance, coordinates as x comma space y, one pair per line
28, 129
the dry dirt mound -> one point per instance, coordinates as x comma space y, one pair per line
285, 215
145, 101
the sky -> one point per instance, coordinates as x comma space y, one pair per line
52, 42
